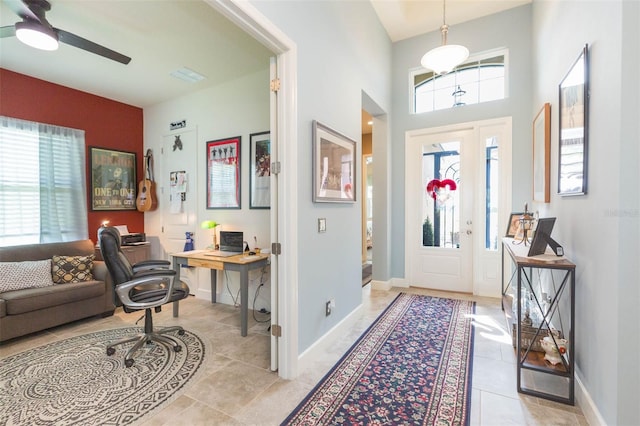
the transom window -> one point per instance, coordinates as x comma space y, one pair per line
476, 81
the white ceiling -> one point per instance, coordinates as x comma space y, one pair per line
163, 36
408, 18
159, 36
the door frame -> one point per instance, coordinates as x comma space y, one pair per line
479, 286
249, 19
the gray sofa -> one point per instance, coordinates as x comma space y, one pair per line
29, 310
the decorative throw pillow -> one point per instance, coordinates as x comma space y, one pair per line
71, 269
26, 274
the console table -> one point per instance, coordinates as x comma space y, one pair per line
543, 289
239, 263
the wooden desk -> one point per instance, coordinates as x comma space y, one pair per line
239, 263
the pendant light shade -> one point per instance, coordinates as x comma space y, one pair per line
36, 35
445, 58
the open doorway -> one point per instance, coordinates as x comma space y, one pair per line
367, 197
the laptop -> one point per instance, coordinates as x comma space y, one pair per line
231, 244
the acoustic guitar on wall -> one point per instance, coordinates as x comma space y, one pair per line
147, 200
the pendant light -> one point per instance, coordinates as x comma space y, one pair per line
445, 58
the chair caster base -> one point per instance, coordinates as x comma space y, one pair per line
148, 338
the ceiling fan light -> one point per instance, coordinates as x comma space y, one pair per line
444, 59
36, 35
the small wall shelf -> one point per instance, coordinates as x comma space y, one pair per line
543, 288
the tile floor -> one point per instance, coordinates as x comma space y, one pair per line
237, 388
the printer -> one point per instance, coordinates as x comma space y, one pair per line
130, 239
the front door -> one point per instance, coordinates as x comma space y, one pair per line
439, 210
456, 198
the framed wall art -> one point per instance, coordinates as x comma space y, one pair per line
223, 173
260, 172
574, 125
542, 154
334, 164
113, 179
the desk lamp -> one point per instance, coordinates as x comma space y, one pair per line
210, 224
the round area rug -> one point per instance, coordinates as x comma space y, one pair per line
73, 381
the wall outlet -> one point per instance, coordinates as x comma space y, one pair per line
327, 308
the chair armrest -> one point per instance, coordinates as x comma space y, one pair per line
151, 264
152, 276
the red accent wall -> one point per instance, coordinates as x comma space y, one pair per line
107, 124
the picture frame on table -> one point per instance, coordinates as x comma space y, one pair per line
113, 179
223, 173
513, 226
542, 155
260, 171
334, 166
574, 127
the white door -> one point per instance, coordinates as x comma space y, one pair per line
273, 109
179, 172
457, 198
439, 210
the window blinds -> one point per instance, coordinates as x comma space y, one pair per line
42, 183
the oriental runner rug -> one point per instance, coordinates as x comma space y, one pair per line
74, 382
411, 367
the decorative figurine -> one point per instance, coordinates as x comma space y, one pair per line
188, 245
554, 347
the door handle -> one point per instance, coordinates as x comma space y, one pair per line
469, 232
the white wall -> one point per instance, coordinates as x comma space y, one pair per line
236, 108
342, 51
600, 230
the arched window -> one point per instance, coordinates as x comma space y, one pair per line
476, 81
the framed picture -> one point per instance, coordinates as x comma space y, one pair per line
573, 124
334, 163
260, 173
513, 225
223, 173
542, 154
113, 179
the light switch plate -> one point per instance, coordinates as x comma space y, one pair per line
322, 224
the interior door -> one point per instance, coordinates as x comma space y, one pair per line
178, 195
273, 108
439, 210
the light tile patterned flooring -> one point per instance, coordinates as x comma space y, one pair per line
237, 387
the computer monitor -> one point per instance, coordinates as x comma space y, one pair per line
542, 238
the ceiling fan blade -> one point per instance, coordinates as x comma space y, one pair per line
8, 31
33, 9
89, 46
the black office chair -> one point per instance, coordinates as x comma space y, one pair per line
145, 285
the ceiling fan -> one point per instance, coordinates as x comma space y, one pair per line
36, 31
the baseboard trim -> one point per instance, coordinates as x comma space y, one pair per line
586, 404
380, 285
317, 350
